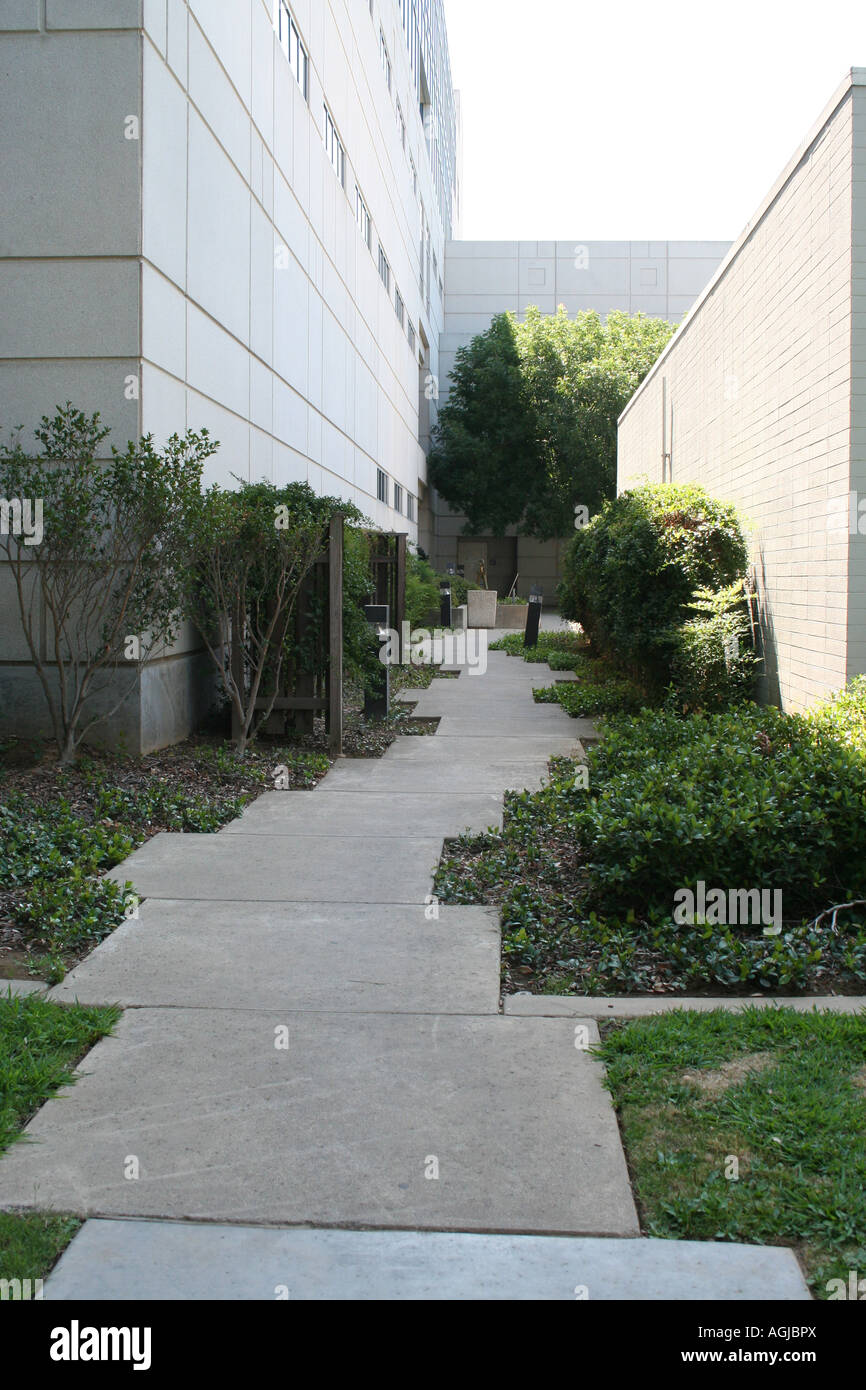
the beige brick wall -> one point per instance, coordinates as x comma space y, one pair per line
755, 398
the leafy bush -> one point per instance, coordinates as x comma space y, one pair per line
631, 574
422, 591
713, 663
254, 548
102, 590
844, 715
459, 588
588, 697
360, 646
752, 798
569, 643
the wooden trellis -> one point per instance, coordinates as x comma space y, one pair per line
312, 684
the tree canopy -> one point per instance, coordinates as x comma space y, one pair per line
528, 432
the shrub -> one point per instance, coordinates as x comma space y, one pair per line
631, 574
713, 663
590, 696
102, 589
459, 588
422, 591
741, 799
254, 549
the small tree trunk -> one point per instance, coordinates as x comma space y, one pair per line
68, 748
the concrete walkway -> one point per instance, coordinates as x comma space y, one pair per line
310, 1040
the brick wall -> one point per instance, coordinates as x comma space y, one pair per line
754, 400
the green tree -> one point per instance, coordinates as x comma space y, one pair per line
529, 431
102, 589
484, 457
253, 548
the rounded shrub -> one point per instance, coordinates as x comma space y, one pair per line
630, 575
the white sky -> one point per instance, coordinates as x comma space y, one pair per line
617, 120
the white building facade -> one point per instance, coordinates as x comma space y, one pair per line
228, 214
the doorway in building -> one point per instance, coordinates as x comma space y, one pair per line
498, 556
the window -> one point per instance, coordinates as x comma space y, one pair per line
362, 217
401, 125
423, 241
410, 506
381, 485
410, 334
334, 147
290, 42
384, 269
399, 305
398, 498
386, 61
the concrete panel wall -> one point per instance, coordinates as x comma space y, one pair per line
263, 308
759, 408
170, 213
70, 243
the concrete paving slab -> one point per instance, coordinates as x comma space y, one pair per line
579, 1006
262, 868
322, 812
524, 725
341, 1127
455, 749
434, 778
350, 958
155, 1260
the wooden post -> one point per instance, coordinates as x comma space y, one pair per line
335, 630
237, 663
400, 595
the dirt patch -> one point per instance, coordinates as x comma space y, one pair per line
715, 1083
859, 1079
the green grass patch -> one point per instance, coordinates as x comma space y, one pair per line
40, 1045
782, 1094
32, 1242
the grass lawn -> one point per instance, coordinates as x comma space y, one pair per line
40, 1045
783, 1094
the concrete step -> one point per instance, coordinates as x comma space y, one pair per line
285, 957
341, 1127
156, 1260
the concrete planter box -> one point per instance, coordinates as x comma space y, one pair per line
482, 607
512, 616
